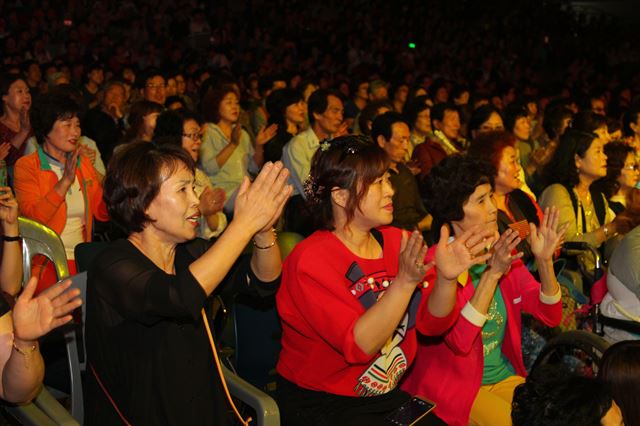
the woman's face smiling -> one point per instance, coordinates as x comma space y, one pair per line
479, 209
508, 173
174, 210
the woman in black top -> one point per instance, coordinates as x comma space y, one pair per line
148, 352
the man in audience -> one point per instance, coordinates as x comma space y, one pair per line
391, 132
154, 87
105, 123
326, 118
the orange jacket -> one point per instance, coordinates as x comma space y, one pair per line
34, 181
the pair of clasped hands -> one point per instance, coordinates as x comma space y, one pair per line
478, 245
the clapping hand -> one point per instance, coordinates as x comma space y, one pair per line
211, 200
470, 248
235, 134
265, 134
8, 207
34, 317
411, 267
259, 204
70, 166
545, 240
501, 257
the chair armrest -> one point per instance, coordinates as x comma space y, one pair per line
267, 411
49, 405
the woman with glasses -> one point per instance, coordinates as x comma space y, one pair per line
227, 152
182, 128
622, 175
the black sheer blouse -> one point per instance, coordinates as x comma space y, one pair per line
146, 340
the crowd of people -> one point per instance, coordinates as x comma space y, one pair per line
435, 164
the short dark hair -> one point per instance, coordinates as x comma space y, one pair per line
620, 371
370, 112
512, 113
319, 102
447, 188
553, 118
277, 103
438, 110
480, 115
210, 104
138, 111
588, 121
49, 109
562, 167
147, 75
553, 397
383, 125
173, 100
488, 146
350, 162
170, 126
133, 180
415, 107
7, 80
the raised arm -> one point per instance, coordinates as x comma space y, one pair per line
11, 267
20, 359
258, 206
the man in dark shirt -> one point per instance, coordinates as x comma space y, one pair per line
391, 132
104, 123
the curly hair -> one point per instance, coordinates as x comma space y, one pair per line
133, 180
617, 153
562, 167
347, 162
553, 397
449, 185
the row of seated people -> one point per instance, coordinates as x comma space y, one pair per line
61, 132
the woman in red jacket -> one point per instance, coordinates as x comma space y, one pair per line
55, 185
471, 370
353, 294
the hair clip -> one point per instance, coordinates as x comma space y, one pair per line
324, 145
312, 191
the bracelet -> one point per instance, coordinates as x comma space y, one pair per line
275, 234
25, 353
606, 232
11, 239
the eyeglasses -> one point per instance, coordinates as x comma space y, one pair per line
632, 167
156, 86
193, 136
